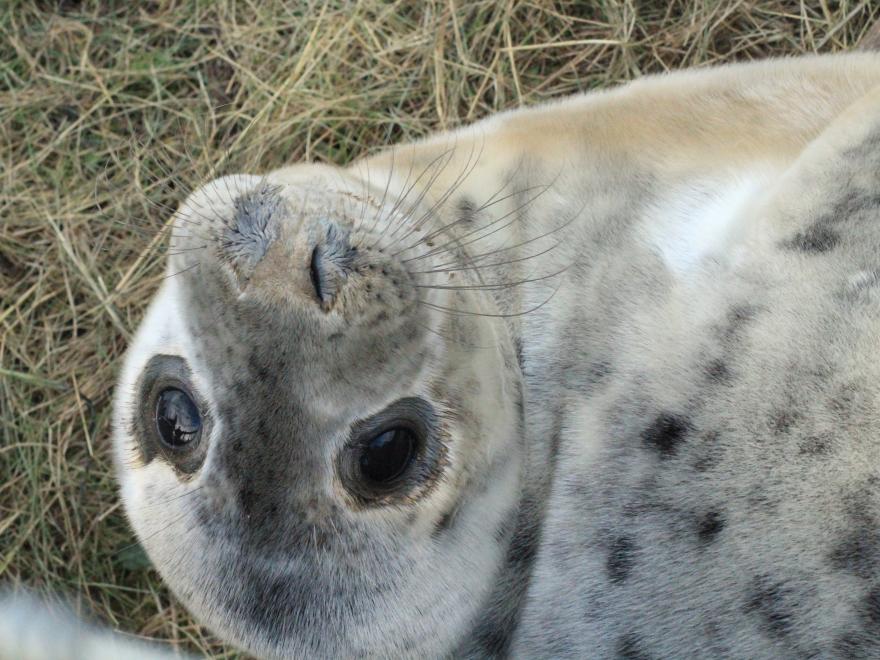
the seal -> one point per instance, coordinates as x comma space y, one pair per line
592, 379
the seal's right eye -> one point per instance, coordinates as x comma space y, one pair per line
178, 421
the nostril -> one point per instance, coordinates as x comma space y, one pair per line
253, 228
331, 263
315, 273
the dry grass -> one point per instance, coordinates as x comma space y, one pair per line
109, 111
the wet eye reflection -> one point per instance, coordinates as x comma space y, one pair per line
178, 421
393, 455
387, 456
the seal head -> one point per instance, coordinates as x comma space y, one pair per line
318, 460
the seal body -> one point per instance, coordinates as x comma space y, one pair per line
625, 349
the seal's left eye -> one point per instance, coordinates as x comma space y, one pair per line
178, 421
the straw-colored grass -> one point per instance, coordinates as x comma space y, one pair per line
110, 111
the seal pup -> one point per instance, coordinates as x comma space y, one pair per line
592, 379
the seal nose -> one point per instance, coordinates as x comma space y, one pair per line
254, 226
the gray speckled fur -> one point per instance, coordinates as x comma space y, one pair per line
693, 442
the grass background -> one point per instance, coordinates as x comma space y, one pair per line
111, 111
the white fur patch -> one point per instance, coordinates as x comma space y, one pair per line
161, 332
695, 221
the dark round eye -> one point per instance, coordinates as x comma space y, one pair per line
385, 457
177, 419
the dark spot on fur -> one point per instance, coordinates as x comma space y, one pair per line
770, 601
815, 239
247, 498
258, 368
857, 553
597, 372
666, 433
709, 526
621, 558
814, 446
705, 463
871, 607
718, 372
629, 647
466, 210
783, 420
738, 316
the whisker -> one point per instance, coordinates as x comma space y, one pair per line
560, 227
388, 179
180, 251
464, 312
139, 542
457, 340
464, 173
169, 174
467, 170
528, 241
399, 202
541, 191
491, 201
445, 247
486, 204
180, 272
492, 286
175, 498
492, 265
